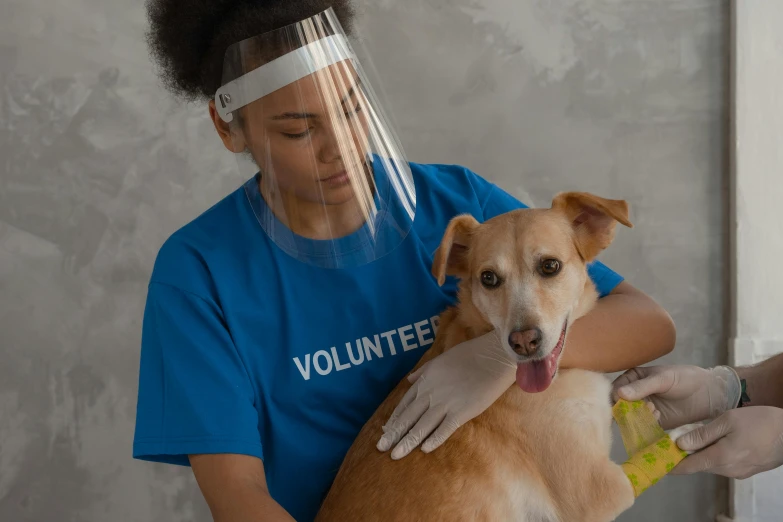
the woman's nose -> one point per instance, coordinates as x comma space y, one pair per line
339, 141
330, 149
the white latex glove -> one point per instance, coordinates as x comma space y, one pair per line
738, 444
447, 392
681, 394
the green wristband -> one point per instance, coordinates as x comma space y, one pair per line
744, 397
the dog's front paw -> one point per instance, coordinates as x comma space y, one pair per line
676, 433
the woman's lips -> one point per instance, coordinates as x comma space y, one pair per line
341, 178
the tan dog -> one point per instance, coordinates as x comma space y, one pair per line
531, 456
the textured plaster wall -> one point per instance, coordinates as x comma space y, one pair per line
98, 165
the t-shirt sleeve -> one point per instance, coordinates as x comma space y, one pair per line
195, 395
495, 201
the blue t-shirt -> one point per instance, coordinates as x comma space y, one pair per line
247, 350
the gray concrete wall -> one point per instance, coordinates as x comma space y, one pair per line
98, 165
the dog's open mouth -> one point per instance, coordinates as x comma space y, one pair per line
536, 376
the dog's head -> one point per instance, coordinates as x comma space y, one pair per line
525, 274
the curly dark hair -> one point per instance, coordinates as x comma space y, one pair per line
188, 38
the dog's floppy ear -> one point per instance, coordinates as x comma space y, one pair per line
451, 257
593, 218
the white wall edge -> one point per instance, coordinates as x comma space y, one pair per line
756, 184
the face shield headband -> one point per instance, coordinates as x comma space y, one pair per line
280, 72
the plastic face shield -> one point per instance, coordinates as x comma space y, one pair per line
330, 183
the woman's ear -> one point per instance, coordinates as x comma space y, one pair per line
451, 257
593, 219
233, 141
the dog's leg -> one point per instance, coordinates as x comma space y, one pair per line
613, 487
612, 494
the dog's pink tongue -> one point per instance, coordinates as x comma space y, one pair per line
536, 376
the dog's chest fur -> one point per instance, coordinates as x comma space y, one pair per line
542, 444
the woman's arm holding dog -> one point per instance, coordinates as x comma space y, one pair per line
234, 487
625, 329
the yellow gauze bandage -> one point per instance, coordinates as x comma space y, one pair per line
652, 453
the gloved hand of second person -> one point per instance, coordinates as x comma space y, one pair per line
681, 394
738, 444
447, 392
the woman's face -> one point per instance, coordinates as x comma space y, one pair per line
309, 139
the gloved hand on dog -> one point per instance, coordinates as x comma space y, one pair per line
447, 392
681, 394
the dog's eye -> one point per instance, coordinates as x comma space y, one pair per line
549, 267
490, 279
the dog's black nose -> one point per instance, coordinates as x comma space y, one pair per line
525, 342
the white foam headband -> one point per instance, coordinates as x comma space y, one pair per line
280, 72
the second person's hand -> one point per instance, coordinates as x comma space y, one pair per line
681, 394
738, 444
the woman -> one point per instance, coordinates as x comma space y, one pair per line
277, 321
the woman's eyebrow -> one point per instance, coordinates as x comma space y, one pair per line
306, 115
294, 116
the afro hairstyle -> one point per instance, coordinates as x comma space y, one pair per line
188, 39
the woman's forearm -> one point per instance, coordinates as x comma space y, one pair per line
235, 489
625, 329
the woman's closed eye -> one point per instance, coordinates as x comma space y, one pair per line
305, 133
356, 109
297, 135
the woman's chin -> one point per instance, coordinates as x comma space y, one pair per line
338, 195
